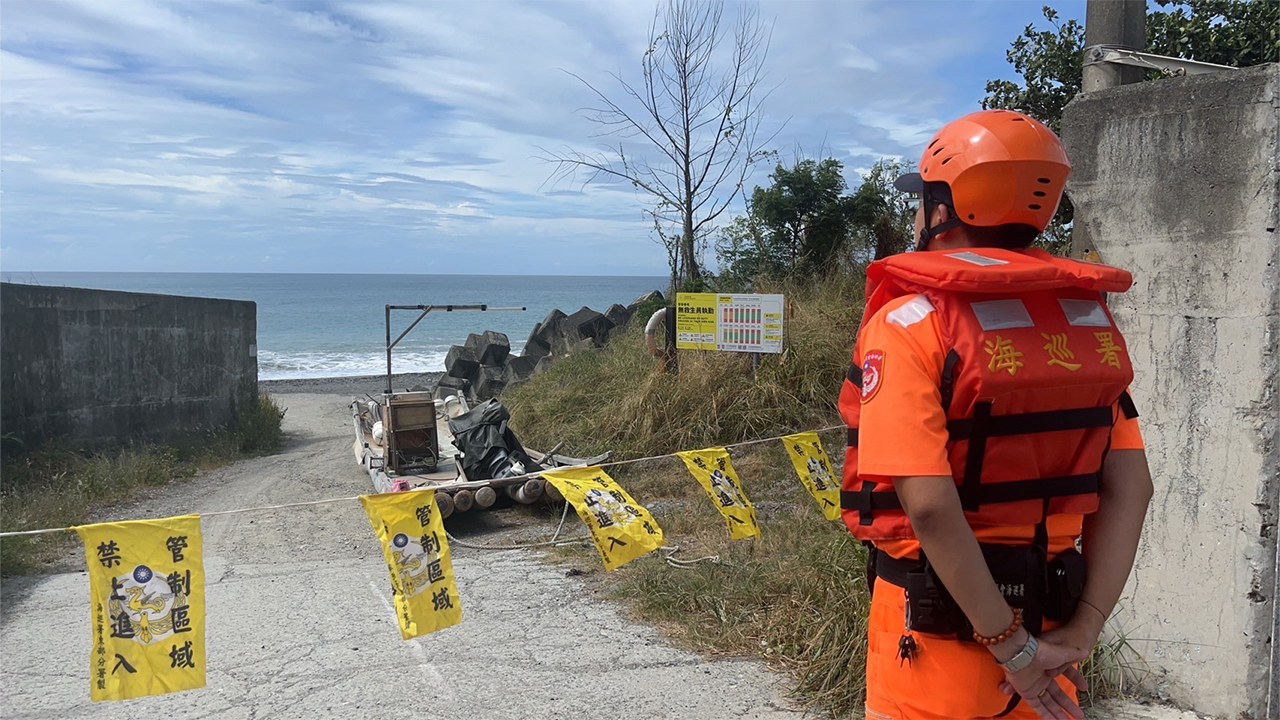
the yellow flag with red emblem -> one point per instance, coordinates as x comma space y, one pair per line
814, 468
146, 594
411, 532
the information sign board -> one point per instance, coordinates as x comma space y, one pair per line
736, 323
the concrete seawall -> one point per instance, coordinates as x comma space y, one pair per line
1177, 181
98, 367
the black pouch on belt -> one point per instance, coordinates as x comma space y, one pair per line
1019, 572
1065, 585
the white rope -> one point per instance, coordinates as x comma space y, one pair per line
443, 486
673, 561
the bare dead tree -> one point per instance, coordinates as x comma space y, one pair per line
696, 127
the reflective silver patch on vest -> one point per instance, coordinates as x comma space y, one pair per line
911, 311
976, 259
1002, 314
1086, 313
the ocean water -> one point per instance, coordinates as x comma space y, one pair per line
333, 325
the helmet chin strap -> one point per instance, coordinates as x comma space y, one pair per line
929, 233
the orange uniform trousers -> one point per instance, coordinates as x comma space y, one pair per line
946, 679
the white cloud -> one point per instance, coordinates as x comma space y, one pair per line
152, 135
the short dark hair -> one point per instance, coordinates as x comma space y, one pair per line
1009, 237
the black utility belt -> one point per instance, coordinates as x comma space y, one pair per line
1043, 590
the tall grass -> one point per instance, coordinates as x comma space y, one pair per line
620, 399
54, 486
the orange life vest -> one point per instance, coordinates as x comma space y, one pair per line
1035, 366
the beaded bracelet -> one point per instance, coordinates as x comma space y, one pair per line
1013, 628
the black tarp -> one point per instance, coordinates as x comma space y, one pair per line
488, 446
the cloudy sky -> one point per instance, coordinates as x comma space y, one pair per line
379, 136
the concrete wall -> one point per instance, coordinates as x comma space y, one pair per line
1177, 180
98, 367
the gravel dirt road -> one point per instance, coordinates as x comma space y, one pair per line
300, 623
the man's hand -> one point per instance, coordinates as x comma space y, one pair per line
1037, 683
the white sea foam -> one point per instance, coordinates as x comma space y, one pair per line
295, 365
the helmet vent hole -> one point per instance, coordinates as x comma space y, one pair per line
935, 142
944, 162
1034, 207
1043, 181
1038, 193
1018, 119
940, 149
971, 216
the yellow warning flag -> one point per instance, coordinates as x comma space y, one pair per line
146, 605
622, 529
712, 469
814, 468
411, 531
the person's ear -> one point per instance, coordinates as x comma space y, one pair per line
941, 213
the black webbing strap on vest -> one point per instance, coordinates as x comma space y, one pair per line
1126, 405
979, 425
854, 375
948, 385
1032, 422
868, 503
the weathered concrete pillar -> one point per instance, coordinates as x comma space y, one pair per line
1122, 23
1177, 181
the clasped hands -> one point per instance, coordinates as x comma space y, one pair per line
1060, 651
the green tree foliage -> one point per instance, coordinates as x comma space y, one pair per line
1050, 66
745, 253
803, 211
1049, 63
799, 224
880, 223
1226, 32
805, 223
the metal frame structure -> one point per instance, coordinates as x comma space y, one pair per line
1118, 55
425, 310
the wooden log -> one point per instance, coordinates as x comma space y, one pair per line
445, 502
553, 492
485, 497
528, 493
463, 500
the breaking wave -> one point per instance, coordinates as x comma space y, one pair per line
295, 365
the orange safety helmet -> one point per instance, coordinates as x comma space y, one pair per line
1002, 167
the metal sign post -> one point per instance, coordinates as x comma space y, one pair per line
425, 309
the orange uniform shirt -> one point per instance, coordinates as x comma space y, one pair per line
903, 430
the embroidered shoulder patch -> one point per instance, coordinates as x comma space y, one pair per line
872, 373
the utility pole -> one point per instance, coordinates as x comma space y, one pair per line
1116, 24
